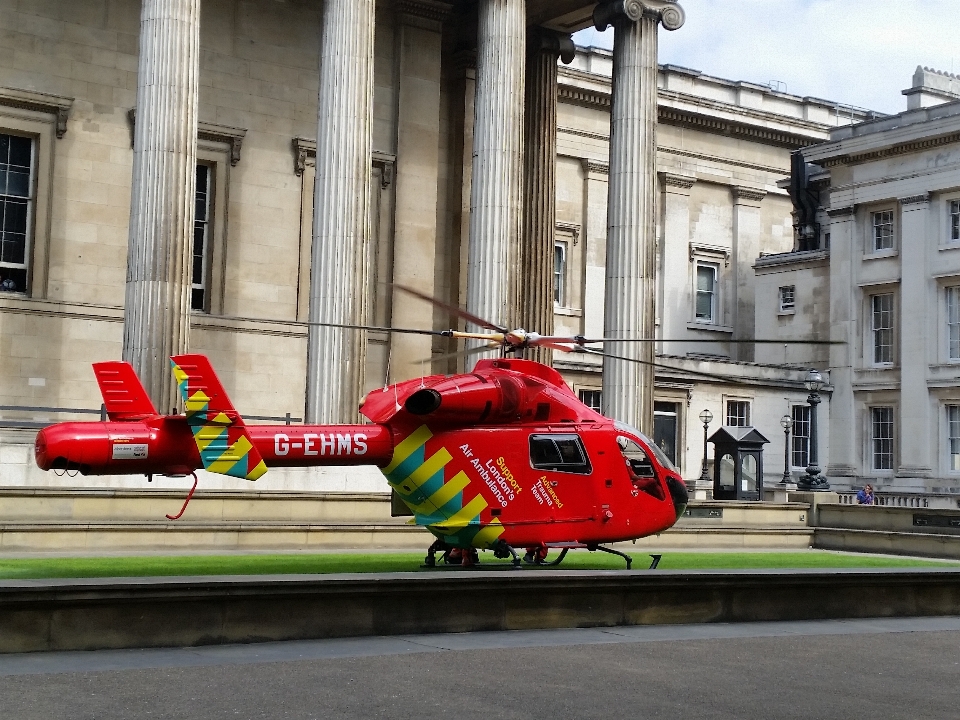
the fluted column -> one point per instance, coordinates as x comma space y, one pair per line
540, 183
629, 307
341, 207
496, 188
157, 304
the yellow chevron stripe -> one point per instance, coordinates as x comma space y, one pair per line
259, 470
407, 446
222, 419
463, 516
231, 456
488, 535
442, 496
197, 402
430, 467
179, 374
206, 434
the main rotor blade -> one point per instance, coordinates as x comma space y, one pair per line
455, 309
697, 373
758, 341
346, 326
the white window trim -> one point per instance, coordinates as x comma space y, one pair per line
870, 252
727, 399
868, 436
216, 155
790, 309
41, 127
946, 242
793, 435
943, 290
869, 292
945, 455
716, 313
561, 301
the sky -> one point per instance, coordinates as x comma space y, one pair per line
855, 52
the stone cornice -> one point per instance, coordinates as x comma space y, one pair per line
304, 148
915, 199
211, 132
800, 257
841, 212
667, 12
427, 9
748, 193
55, 105
892, 150
600, 100
595, 167
684, 182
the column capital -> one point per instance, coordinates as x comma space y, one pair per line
667, 12
595, 167
741, 193
544, 40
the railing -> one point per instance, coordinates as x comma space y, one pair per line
907, 500
35, 424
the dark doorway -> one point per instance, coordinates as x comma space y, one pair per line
665, 429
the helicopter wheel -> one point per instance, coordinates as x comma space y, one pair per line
438, 546
502, 550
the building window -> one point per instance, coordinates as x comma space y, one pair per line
16, 210
591, 398
706, 310
559, 273
787, 298
881, 310
953, 436
738, 413
953, 322
800, 442
201, 239
882, 230
953, 218
881, 437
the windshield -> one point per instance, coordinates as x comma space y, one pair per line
654, 448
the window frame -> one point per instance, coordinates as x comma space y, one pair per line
951, 220
799, 449
746, 402
951, 460
714, 318
873, 439
873, 226
41, 128
872, 345
951, 340
599, 392
30, 201
787, 308
560, 290
216, 156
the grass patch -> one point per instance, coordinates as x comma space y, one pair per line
153, 566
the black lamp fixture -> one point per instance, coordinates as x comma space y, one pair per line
705, 417
786, 422
812, 479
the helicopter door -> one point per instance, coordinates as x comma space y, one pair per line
561, 461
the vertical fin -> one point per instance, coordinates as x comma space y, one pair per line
223, 441
123, 394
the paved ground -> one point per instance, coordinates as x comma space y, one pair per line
876, 669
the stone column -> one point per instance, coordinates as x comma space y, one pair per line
341, 207
157, 303
496, 188
419, 23
916, 320
845, 453
540, 184
675, 302
631, 209
747, 229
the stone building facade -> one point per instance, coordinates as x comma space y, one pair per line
885, 278
237, 223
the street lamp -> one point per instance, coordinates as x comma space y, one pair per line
786, 422
812, 480
705, 417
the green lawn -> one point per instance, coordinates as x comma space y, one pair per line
394, 562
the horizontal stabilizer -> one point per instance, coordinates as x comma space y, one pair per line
223, 441
123, 394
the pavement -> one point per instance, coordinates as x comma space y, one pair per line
843, 669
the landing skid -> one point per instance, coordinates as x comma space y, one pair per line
626, 557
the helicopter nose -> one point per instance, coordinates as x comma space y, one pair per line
678, 493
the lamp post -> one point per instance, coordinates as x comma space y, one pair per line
705, 417
812, 480
786, 422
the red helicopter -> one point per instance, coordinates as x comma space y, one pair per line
503, 457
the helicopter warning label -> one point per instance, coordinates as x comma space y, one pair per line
129, 451
495, 474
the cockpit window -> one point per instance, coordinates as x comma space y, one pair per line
661, 456
639, 468
563, 453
